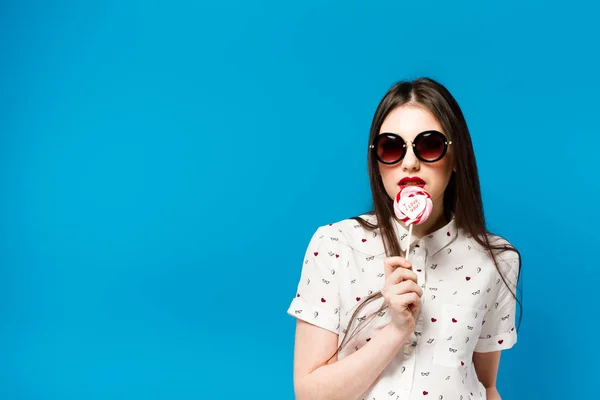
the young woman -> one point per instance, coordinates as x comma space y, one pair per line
372, 324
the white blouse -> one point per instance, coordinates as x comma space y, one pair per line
465, 308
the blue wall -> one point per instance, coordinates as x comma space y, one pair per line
163, 167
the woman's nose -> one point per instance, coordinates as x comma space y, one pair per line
410, 161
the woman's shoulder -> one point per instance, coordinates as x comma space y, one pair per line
506, 254
502, 247
499, 244
366, 221
357, 232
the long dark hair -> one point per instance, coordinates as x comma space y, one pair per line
462, 197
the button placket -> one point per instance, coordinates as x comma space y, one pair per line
418, 267
420, 270
419, 259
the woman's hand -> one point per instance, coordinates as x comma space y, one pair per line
402, 294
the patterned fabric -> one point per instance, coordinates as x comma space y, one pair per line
466, 307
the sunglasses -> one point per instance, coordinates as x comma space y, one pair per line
428, 146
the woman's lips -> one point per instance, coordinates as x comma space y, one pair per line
411, 181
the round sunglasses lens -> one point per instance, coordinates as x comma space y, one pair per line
390, 149
430, 146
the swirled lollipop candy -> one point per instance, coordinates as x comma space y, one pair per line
412, 206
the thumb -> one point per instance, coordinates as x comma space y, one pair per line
391, 263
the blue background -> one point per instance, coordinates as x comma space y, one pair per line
163, 166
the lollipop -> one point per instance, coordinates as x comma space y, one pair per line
412, 206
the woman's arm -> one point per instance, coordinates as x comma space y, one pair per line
486, 367
315, 379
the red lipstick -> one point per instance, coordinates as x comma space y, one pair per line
411, 180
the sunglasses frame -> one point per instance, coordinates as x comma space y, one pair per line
373, 146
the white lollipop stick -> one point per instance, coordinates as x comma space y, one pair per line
408, 243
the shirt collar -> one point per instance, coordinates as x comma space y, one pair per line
433, 242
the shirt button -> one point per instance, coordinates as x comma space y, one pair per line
419, 258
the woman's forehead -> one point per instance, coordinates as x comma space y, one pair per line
408, 121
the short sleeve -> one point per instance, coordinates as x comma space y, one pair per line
499, 331
317, 297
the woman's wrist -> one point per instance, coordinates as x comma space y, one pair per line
395, 335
